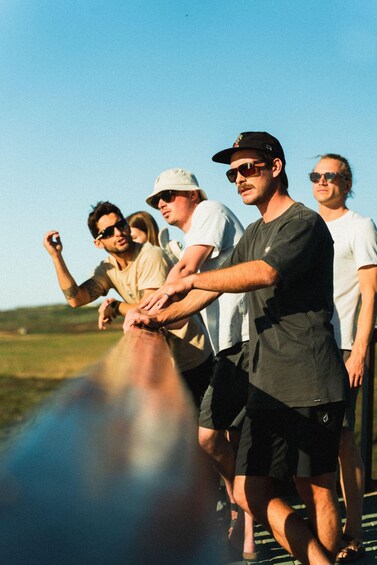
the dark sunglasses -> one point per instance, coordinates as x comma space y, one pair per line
109, 231
165, 195
246, 170
329, 177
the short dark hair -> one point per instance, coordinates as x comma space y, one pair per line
345, 168
99, 210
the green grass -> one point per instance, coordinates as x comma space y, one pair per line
53, 356
39, 349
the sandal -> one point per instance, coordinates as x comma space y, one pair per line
233, 508
351, 552
251, 557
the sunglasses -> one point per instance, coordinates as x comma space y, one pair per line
121, 225
329, 177
165, 195
246, 170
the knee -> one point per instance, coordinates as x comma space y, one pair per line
207, 440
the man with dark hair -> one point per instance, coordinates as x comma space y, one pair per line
298, 383
135, 271
355, 286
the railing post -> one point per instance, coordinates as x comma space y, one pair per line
366, 444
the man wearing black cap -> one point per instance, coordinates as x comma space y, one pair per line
298, 383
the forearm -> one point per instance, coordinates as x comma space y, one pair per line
193, 302
177, 272
365, 326
74, 295
243, 277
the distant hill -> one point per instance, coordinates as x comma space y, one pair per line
56, 318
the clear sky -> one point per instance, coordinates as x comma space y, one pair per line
97, 97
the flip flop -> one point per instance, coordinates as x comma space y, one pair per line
351, 552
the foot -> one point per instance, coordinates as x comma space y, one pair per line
233, 518
250, 557
353, 551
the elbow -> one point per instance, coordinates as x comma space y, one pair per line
271, 277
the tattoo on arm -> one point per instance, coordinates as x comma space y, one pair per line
94, 289
71, 292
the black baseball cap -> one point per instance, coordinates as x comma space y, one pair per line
259, 140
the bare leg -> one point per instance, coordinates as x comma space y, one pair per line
321, 500
255, 495
223, 450
220, 450
352, 480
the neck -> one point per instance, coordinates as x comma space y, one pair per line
275, 207
185, 225
329, 214
125, 257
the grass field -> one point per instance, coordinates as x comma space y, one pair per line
39, 349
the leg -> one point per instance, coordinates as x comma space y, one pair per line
352, 478
255, 495
220, 450
321, 500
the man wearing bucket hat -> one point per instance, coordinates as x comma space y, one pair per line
298, 382
211, 232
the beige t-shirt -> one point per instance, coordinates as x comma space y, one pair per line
148, 269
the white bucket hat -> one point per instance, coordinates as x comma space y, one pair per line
175, 179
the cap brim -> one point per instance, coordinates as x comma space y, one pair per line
225, 155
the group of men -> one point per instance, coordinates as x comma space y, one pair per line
266, 296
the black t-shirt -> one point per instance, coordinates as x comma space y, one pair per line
294, 358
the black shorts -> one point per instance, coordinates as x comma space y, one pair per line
226, 395
197, 380
302, 442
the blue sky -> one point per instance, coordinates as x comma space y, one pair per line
97, 97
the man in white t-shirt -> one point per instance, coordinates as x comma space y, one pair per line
211, 233
355, 284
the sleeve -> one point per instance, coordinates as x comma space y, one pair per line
208, 227
295, 246
365, 244
100, 277
152, 269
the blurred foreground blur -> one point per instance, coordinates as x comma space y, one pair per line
111, 471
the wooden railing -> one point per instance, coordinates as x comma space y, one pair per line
111, 472
367, 419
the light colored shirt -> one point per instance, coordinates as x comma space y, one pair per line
355, 246
226, 319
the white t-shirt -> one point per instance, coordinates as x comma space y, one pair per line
355, 246
213, 224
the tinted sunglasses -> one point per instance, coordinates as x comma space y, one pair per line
165, 195
329, 177
246, 170
109, 231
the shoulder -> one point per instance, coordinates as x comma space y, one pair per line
362, 222
215, 211
147, 250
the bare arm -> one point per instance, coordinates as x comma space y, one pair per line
191, 260
195, 292
111, 308
365, 324
195, 301
243, 277
75, 295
